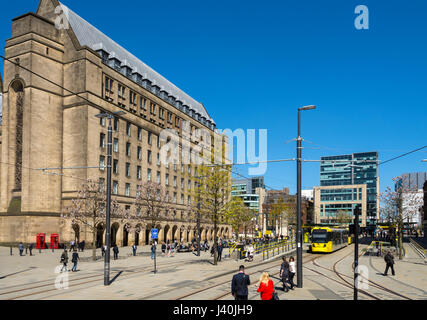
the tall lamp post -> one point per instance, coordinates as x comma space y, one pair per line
109, 116
299, 218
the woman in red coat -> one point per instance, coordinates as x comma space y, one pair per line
266, 287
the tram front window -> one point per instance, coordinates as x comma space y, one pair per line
319, 237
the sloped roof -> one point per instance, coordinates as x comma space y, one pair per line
88, 35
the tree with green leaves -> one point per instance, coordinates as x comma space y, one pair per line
343, 217
212, 195
400, 205
239, 216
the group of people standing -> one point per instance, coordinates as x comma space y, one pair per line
80, 245
265, 285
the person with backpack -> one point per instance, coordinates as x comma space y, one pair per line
64, 260
116, 252
284, 273
239, 285
74, 259
266, 287
389, 260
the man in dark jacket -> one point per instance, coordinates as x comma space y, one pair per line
389, 260
116, 252
219, 252
239, 285
134, 249
30, 247
75, 258
284, 273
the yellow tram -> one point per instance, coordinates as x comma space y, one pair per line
326, 239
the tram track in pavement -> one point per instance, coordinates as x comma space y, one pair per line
94, 278
227, 282
342, 276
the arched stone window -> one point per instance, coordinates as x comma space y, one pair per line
17, 102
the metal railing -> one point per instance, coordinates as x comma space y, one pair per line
270, 250
421, 251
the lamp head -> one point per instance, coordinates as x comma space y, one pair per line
310, 107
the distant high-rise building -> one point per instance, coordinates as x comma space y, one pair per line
412, 188
414, 180
350, 170
251, 191
247, 190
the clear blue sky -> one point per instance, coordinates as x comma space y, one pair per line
253, 63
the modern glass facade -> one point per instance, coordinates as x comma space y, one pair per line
356, 168
246, 189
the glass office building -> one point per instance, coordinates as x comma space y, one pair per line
246, 189
352, 169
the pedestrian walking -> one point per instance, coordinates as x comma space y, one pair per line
64, 260
83, 245
284, 274
103, 248
239, 284
74, 259
153, 250
163, 248
266, 287
220, 252
116, 252
134, 247
30, 247
21, 248
389, 260
72, 244
292, 271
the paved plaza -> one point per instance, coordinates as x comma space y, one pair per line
186, 276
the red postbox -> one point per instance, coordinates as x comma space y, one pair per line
40, 240
54, 241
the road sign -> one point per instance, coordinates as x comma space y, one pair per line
154, 233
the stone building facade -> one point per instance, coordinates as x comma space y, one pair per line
59, 74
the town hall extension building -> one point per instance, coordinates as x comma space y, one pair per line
49, 126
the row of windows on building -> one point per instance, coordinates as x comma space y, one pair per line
102, 162
135, 99
116, 127
103, 143
115, 170
173, 199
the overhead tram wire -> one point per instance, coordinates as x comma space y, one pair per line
402, 155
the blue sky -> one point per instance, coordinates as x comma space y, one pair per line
252, 64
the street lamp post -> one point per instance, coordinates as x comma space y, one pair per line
198, 222
356, 249
108, 200
299, 218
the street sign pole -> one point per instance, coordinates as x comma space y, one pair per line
154, 237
